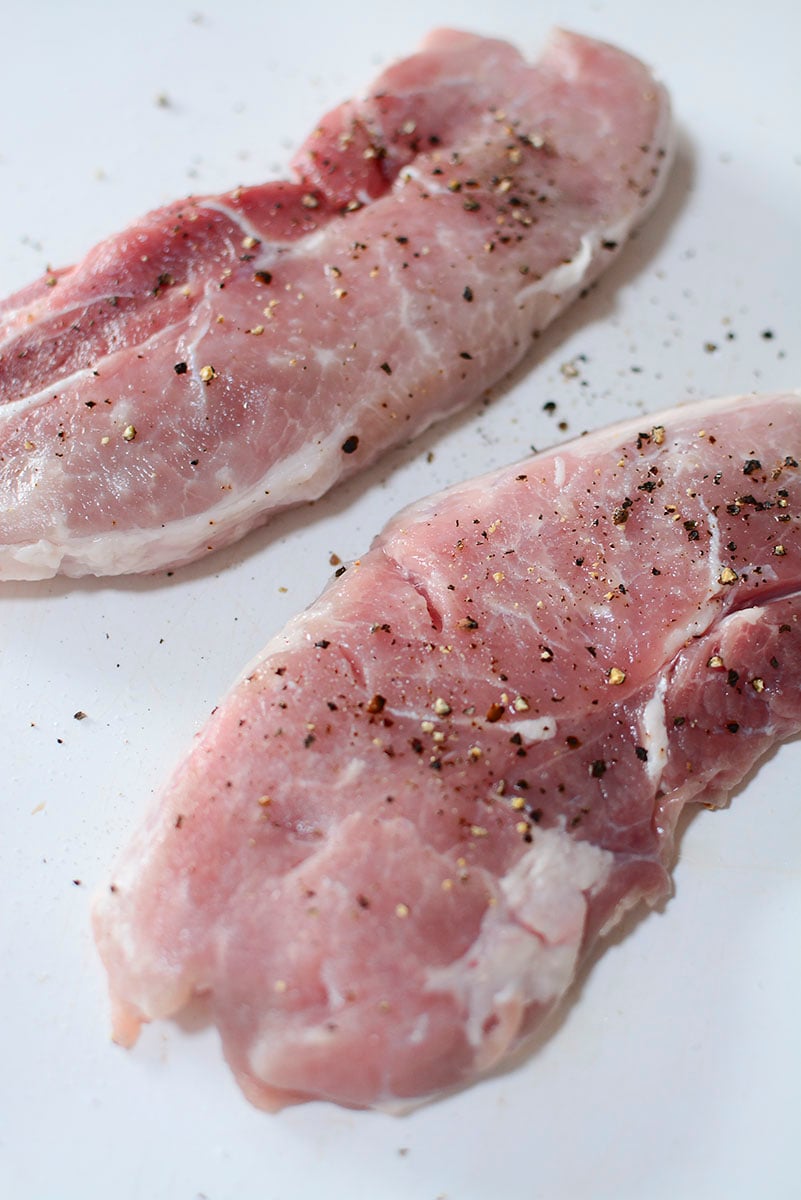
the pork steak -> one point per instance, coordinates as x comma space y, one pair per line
396, 839
231, 355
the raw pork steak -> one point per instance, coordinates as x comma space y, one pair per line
232, 355
411, 818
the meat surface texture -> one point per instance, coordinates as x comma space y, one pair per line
232, 355
393, 844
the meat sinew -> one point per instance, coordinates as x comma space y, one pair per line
412, 817
229, 356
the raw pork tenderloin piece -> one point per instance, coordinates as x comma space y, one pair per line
232, 355
396, 839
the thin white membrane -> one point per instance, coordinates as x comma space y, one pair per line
13, 409
653, 730
239, 221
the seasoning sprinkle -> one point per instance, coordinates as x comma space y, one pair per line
441, 707
727, 576
615, 676
129, 433
207, 373
401, 910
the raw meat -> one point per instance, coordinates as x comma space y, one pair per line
229, 356
413, 816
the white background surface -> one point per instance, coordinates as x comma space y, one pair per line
675, 1071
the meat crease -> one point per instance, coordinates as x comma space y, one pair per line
229, 356
396, 840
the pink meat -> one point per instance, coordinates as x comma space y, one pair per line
412, 817
229, 356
